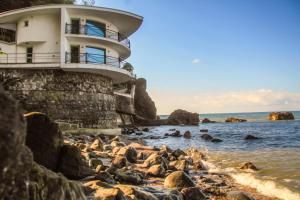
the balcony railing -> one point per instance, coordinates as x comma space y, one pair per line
92, 31
29, 58
8, 36
89, 58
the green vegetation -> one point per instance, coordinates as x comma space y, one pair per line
7, 5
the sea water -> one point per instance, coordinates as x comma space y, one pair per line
276, 154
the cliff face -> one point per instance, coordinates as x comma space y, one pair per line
144, 106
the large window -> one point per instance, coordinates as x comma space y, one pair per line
95, 28
95, 55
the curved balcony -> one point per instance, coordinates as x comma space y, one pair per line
96, 32
100, 64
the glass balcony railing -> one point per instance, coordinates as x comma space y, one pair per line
97, 32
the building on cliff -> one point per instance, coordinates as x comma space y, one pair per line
64, 60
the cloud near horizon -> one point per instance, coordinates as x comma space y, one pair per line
196, 61
263, 100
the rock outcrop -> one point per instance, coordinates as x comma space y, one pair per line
235, 120
21, 177
281, 116
207, 121
182, 117
144, 106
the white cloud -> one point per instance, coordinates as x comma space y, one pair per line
230, 101
196, 61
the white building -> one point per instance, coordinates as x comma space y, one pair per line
68, 37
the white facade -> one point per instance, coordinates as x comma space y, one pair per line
70, 37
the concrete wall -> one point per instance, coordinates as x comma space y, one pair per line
83, 98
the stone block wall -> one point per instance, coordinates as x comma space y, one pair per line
83, 98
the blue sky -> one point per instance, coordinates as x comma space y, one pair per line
194, 52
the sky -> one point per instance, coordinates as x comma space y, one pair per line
217, 56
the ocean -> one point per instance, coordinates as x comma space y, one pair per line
276, 154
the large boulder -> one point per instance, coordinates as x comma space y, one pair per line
193, 193
178, 179
281, 116
179, 117
44, 140
144, 106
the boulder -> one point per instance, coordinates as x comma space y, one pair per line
248, 165
155, 159
105, 177
175, 134
97, 145
250, 137
156, 171
119, 161
281, 116
179, 165
238, 195
206, 121
44, 139
235, 120
129, 152
72, 164
206, 137
187, 135
178, 152
144, 106
193, 193
109, 194
182, 117
178, 179
128, 177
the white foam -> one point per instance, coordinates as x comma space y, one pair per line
265, 187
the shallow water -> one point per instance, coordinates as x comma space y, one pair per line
276, 154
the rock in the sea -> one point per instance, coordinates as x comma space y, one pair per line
72, 164
144, 106
179, 117
206, 121
129, 152
175, 134
44, 139
235, 120
203, 130
238, 195
187, 135
178, 179
216, 140
156, 171
251, 137
193, 193
249, 165
206, 137
281, 116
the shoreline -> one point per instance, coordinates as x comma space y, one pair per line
213, 185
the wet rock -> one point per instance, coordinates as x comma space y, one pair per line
198, 165
139, 133
235, 120
206, 121
216, 140
193, 193
249, 165
178, 179
136, 193
128, 177
145, 129
156, 171
129, 152
44, 139
187, 135
72, 164
281, 116
179, 117
178, 152
179, 165
155, 159
206, 137
94, 162
238, 195
97, 145
250, 137
119, 161
175, 134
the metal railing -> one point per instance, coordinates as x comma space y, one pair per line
7, 35
93, 31
29, 58
89, 58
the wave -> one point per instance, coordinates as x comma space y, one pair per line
266, 187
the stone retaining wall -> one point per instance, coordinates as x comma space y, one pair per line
83, 98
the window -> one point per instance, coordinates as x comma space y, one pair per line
95, 55
26, 23
29, 54
95, 28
